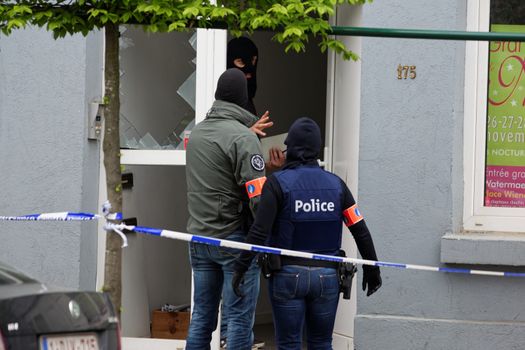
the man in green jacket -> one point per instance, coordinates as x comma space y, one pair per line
224, 173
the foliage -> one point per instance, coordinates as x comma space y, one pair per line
292, 20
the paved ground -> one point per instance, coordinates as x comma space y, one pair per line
265, 332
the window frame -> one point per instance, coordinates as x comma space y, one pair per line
477, 217
211, 62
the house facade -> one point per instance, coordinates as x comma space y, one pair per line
427, 133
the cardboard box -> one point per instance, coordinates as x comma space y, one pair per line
170, 325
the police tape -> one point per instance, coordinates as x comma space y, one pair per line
264, 249
61, 216
71, 216
119, 228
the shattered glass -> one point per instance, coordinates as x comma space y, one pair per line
148, 142
143, 122
187, 90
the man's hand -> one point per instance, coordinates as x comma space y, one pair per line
372, 278
237, 280
263, 123
277, 159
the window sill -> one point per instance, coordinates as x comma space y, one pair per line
152, 157
487, 248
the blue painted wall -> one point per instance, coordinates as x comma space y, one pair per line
46, 162
411, 187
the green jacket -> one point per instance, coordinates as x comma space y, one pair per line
221, 156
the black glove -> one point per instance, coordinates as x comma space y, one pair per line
237, 280
372, 278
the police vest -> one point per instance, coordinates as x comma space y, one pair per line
311, 215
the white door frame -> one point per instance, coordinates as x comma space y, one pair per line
343, 116
211, 62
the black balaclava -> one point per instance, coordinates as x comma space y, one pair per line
244, 49
231, 87
303, 142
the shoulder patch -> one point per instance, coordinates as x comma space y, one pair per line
257, 162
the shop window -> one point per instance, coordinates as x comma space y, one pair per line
494, 155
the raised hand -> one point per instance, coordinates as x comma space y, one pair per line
261, 124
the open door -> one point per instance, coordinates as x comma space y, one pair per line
167, 85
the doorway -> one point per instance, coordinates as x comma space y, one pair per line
162, 77
289, 86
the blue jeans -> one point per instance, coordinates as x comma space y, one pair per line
304, 296
212, 272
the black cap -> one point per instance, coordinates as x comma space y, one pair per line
232, 87
303, 141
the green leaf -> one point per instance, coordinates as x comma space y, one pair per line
296, 46
176, 26
93, 12
144, 7
53, 26
278, 9
264, 21
124, 18
190, 12
18, 23
20, 10
292, 31
221, 12
113, 17
235, 33
149, 8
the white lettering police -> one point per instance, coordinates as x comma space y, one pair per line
314, 205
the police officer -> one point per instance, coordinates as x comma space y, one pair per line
222, 156
302, 208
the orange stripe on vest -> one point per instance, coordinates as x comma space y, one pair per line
352, 215
254, 187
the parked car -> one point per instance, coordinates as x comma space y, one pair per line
34, 317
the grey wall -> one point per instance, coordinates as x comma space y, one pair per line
46, 162
410, 186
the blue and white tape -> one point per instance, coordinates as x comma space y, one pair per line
263, 249
61, 216
118, 228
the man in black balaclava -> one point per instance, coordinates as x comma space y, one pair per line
224, 174
303, 208
243, 54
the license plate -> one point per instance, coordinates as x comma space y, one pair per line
88, 341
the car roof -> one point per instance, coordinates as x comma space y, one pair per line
9, 275
14, 283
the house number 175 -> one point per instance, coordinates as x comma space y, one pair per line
404, 72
